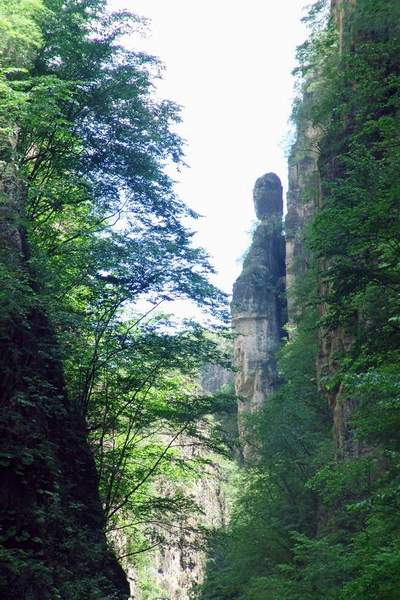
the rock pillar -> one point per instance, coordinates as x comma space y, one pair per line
258, 306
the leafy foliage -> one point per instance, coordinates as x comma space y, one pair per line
90, 226
292, 433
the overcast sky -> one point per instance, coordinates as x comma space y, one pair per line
228, 63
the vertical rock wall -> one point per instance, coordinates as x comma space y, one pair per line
304, 199
53, 542
340, 12
179, 566
258, 305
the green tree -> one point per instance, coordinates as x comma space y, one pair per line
90, 225
250, 560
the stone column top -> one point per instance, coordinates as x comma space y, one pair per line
268, 198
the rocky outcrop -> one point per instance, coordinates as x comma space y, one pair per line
178, 567
215, 377
304, 198
258, 304
304, 194
53, 543
339, 11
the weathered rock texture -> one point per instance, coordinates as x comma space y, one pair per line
179, 566
304, 199
334, 344
53, 542
258, 305
340, 11
215, 377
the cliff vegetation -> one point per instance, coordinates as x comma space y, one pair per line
98, 396
108, 437
317, 513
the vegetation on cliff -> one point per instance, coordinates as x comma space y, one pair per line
318, 513
99, 390
90, 224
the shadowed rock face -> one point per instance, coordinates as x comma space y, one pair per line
258, 306
267, 195
50, 508
304, 199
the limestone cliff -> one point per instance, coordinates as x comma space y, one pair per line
340, 11
179, 565
304, 198
258, 305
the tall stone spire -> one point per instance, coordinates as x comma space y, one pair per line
258, 305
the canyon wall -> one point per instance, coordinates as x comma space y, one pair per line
304, 198
264, 295
177, 567
263, 300
51, 516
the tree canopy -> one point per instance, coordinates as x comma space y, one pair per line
93, 241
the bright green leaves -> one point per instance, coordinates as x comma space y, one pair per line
20, 32
138, 386
90, 227
20, 40
355, 234
355, 239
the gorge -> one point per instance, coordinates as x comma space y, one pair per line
142, 455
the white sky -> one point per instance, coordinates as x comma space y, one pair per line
228, 63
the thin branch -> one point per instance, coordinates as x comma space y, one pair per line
148, 474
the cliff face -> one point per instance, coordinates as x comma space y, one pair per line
340, 11
305, 198
179, 565
273, 262
327, 446
53, 542
258, 306
302, 199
